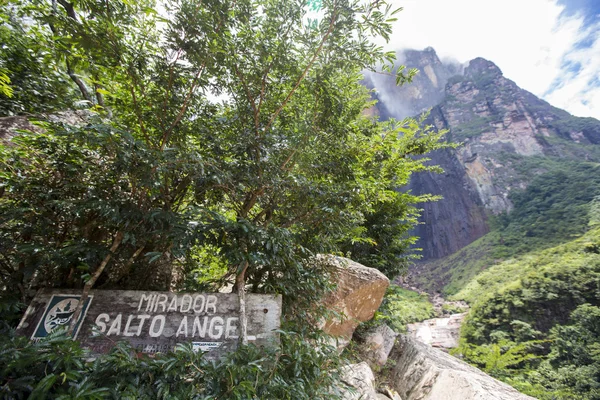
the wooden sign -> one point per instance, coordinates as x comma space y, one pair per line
154, 321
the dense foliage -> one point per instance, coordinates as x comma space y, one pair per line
58, 368
284, 167
28, 70
554, 207
534, 320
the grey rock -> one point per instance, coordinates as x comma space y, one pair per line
9, 126
360, 378
378, 344
498, 124
438, 332
424, 373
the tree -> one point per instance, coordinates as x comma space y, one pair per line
29, 80
285, 166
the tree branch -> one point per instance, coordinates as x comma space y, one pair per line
90, 283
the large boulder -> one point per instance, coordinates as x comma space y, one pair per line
359, 293
421, 372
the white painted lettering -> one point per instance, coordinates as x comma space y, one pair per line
161, 301
189, 302
200, 329
183, 328
216, 328
231, 328
147, 299
211, 302
157, 332
126, 330
115, 327
100, 321
199, 309
173, 304
150, 306
142, 319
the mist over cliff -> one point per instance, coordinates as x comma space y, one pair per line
500, 126
426, 90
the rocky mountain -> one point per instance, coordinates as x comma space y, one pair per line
507, 136
517, 233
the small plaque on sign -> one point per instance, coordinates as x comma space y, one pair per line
205, 346
154, 322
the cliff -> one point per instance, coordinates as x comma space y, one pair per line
507, 136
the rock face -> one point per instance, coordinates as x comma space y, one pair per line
9, 126
456, 220
424, 373
438, 332
500, 126
359, 293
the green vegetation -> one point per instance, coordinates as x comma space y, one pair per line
484, 78
474, 127
30, 81
533, 281
57, 368
554, 208
589, 127
535, 320
402, 306
540, 288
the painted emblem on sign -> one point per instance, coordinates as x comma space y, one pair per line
59, 313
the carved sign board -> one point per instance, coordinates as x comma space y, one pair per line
154, 321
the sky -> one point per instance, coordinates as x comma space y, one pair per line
548, 47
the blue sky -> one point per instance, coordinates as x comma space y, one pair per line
549, 47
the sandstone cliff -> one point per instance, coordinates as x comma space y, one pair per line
503, 129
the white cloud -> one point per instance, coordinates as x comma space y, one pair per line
527, 39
